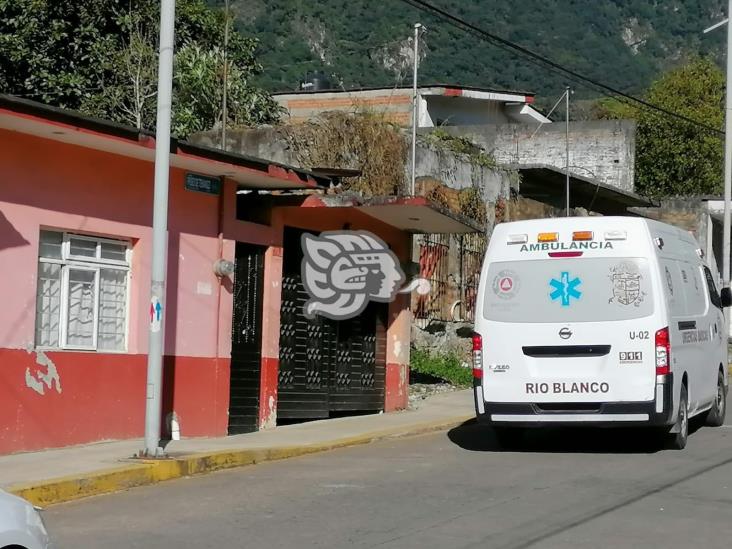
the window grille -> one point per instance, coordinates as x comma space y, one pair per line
82, 292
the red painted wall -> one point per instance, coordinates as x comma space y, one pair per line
102, 397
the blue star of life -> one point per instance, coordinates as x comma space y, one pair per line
565, 289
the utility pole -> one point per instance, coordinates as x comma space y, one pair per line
160, 231
566, 95
727, 163
224, 110
415, 108
727, 158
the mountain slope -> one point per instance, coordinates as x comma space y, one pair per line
623, 43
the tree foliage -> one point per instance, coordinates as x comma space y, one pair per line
100, 57
676, 158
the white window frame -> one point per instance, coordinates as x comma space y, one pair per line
93, 264
63, 340
66, 250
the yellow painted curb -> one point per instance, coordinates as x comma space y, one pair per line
146, 472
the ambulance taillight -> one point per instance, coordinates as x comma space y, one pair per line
477, 356
663, 352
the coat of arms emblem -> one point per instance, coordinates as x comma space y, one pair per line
626, 285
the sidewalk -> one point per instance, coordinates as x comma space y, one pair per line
55, 476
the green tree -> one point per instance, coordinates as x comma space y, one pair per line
55, 52
198, 80
99, 57
673, 157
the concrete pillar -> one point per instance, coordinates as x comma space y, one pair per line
271, 301
397, 354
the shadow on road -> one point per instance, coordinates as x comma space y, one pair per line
481, 438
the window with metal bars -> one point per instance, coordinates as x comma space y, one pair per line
82, 292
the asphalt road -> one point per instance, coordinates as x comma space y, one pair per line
611, 489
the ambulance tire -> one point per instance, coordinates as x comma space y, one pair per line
508, 437
677, 441
715, 416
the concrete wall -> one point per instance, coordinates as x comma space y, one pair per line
456, 111
599, 149
437, 106
452, 170
395, 104
458, 172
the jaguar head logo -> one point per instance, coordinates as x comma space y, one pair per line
343, 270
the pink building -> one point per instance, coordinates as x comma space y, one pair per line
75, 238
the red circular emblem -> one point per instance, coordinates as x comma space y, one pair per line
506, 284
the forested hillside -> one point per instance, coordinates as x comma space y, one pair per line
625, 43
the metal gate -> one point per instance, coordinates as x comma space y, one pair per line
325, 365
246, 339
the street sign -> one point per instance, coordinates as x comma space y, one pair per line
156, 314
203, 183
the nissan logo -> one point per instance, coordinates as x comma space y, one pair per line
565, 333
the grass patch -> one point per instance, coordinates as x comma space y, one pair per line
445, 366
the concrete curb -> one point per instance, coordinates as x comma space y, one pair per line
146, 472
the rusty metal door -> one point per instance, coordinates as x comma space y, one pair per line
246, 339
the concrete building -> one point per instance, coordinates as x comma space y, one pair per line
601, 150
439, 105
75, 244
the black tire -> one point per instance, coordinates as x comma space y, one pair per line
715, 416
508, 437
677, 441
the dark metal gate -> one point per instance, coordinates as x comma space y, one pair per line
325, 365
246, 339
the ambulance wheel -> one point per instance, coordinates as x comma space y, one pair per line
677, 441
508, 437
715, 416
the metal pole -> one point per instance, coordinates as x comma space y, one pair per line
415, 108
160, 230
566, 94
727, 163
224, 110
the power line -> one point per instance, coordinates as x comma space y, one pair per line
552, 65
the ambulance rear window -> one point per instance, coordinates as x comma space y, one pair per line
568, 290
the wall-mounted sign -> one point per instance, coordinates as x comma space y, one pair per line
203, 183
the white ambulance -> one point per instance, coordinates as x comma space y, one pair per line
606, 321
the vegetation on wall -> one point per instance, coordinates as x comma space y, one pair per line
462, 146
364, 141
674, 157
472, 205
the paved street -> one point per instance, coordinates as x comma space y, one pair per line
443, 490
